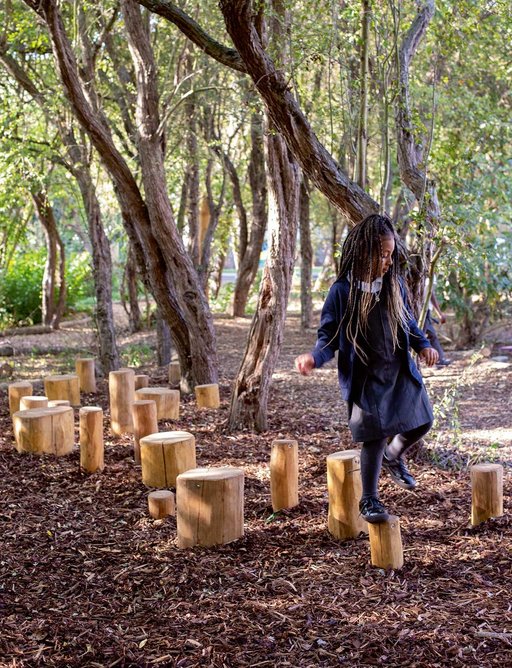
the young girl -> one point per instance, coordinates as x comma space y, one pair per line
366, 319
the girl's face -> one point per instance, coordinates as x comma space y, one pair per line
387, 247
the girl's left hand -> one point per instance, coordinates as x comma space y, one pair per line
430, 356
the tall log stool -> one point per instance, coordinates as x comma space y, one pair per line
141, 380
345, 489
144, 423
86, 372
17, 390
29, 401
121, 389
386, 544
66, 386
91, 439
210, 506
207, 396
45, 430
167, 401
284, 474
486, 492
164, 456
174, 373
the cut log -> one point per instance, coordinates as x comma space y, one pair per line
86, 372
121, 388
66, 386
58, 402
174, 373
141, 380
164, 456
386, 544
210, 506
167, 401
486, 492
207, 396
144, 423
91, 439
30, 401
344, 489
45, 430
161, 504
284, 474
16, 391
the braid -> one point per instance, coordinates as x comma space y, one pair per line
360, 256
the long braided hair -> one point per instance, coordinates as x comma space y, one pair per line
360, 261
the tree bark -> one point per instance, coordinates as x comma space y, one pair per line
163, 341
131, 291
306, 257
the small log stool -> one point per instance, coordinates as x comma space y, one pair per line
284, 474
29, 401
66, 386
174, 373
141, 380
167, 401
161, 504
121, 388
86, 372
386, 543
210, 506
164, 456
17, 390
45, 430
345, 489
91, 439
207, 396
144, 423
58, 402
486, 492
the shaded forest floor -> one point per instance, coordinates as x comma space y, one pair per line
87, 578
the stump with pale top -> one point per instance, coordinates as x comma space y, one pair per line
486, 492
344, 487
30, 401
45, 430
141, 380
91, 439
164, 456
121, 389
58, 402
85, 368
144, 423
167, 401
284, 474
161, 504
210, 506
16, 391
207, 396
386, 544
65, 386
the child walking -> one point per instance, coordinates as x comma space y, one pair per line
366, 318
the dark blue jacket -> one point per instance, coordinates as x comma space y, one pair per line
332, 336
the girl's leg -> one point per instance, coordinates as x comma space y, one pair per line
371, 464
401, 442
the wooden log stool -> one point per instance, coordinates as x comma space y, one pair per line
486, 492
121, 388
284, 474
17, 390
167, 401
91, 439
45, 430
58, 402
210, 506
174, 373
386, 544
164, 456
86, 372
207, 396
30, 401
161, 504
144, 423
141, 380
345, 489
66, 386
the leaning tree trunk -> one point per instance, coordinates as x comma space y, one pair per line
306, 257
130, 286
163, 341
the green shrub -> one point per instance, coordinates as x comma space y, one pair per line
20, 287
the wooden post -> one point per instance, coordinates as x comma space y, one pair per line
29, 401
144, 423
17, 390
66, 386
174, 373
207, 396
284, 474
121, 387
167, 401
345, 489
91, 439
45, 430
386, 544
141, 380
161, 504
210, 506
58, 402
164, 456
86, 371
486, 492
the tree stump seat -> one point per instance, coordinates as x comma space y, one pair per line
209, 506
345, 489
284, 474
30, 401
486, 492
386, 544
207, 396
167, 401
161, 504
86, 371
65, 386
45, 430
144, 423
174, 373
91, 439
16, 391
121, 390
165, 455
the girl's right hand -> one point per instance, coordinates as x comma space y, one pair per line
305, 364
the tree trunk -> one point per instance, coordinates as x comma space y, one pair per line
163, 341
306, 257
362, 134
130, 284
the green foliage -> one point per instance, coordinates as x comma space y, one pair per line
79, 280
20, 287
137, 355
